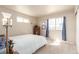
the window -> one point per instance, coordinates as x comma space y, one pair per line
59, 23
52, 24
56, 23
22, 20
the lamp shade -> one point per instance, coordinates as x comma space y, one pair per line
6, 19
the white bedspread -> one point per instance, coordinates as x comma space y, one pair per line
28, 44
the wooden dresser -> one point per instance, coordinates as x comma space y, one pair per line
36, 30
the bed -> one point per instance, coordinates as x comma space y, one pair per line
28, 44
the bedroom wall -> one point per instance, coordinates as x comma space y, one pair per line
17, 28
77, 27
70, 24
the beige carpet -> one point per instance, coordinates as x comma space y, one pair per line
62, 48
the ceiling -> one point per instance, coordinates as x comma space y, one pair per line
39, 10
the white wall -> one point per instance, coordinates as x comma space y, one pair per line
77, 30
17, 28
70, 24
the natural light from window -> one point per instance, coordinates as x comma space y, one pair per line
56, 42
22, 20
56, 23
